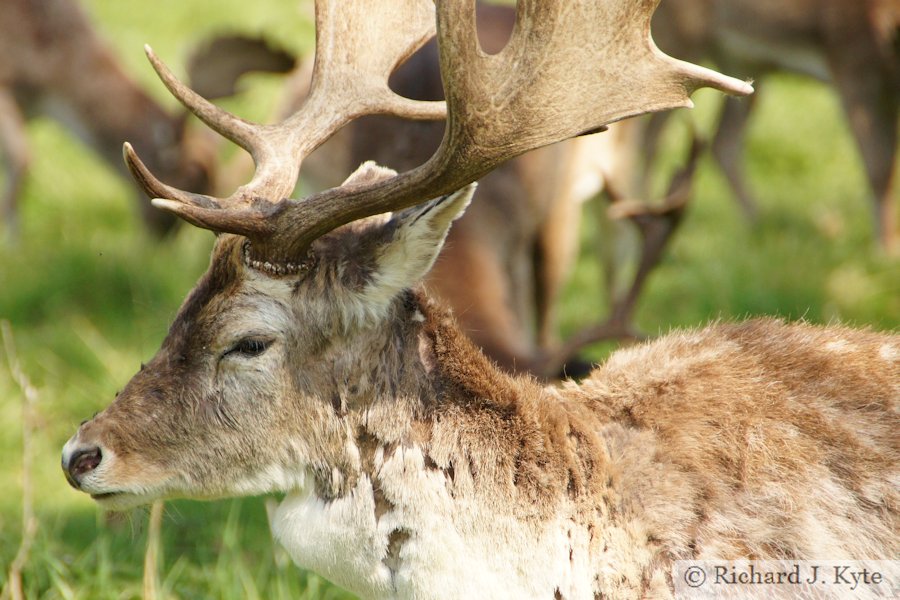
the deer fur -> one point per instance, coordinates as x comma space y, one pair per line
412, 467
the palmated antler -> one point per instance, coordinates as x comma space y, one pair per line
569, 68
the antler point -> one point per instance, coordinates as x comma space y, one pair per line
165, 204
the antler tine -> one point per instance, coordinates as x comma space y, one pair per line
274, 178
349, 80
234, 128
569, 68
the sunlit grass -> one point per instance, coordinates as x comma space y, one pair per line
89, 295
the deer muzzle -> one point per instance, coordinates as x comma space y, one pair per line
80, 462
81, 457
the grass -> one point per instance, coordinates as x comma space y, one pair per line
89, 295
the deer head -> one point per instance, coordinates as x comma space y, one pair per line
307, 325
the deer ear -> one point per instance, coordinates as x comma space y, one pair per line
414, 238
369, 172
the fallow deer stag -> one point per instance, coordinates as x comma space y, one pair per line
54, 62
307, 361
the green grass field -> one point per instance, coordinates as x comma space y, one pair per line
89, 294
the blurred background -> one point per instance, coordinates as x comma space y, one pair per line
88, 289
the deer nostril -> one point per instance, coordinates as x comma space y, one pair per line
83, 461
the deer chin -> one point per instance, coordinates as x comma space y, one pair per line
122, 501
117, 497
115, 494
134, 496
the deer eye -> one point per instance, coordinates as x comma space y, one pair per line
249, 347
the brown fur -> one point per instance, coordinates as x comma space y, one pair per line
413, 467
736, 415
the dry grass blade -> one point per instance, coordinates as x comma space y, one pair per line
13, 588
151, 556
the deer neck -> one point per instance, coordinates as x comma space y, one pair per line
474, 484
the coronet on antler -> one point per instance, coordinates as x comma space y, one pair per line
570, 67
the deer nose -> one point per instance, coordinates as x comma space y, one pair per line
79, 463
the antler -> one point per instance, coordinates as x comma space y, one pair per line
357, 49
569, 68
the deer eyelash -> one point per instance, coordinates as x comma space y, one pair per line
249, 347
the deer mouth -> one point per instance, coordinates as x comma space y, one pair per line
106, 495
120, 501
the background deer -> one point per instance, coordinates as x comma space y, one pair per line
851, 45
308, 361
53, 62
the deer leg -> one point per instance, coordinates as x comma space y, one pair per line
555, 251
728, 150
870, 97
611, 243
656, 230
16, 155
